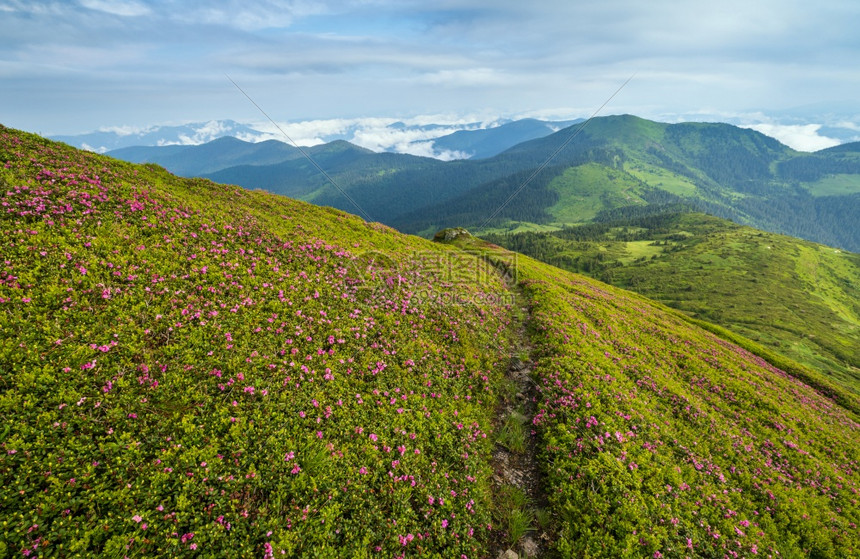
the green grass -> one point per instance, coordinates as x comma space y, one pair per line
586, 190
661, 178
795, 297
639, 249
512, 433
513, 514
519, 523
834, 185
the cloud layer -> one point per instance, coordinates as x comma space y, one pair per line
69, 66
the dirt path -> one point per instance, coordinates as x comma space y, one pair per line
522, 524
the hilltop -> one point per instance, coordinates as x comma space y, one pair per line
190, 368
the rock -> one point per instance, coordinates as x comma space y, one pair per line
509, 554
450, 234
530, 547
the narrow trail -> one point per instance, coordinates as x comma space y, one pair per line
519, 498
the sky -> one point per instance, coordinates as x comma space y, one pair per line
788, 67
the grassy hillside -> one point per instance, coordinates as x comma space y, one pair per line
798, 298
195, 369
192, 369
659, 439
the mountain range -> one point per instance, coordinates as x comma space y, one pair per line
614, 166
456, 140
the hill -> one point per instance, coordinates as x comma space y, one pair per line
188, 368
795, 297
112, 138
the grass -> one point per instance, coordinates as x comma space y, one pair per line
662, 178
795, 297
519, 523
587, 189
834, 185
513, 513
512, 433
190, 369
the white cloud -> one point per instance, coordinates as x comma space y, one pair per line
127, 130
247, 15
802, 137
427, 149
87, 147
847, 124
412, 135
470, 77
125, 8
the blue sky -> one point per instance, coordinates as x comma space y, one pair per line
78, 65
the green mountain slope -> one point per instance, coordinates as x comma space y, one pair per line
487, 142
189, 368
730, 172
795, 297
661, 440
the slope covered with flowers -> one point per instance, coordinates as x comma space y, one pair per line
194, 369
660, 439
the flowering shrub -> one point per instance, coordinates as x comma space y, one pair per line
194, 369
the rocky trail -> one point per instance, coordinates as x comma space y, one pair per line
523, 523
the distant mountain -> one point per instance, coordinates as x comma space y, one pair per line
446, 141
348, 165
191, 161
487, 142
633, 164
108, 139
